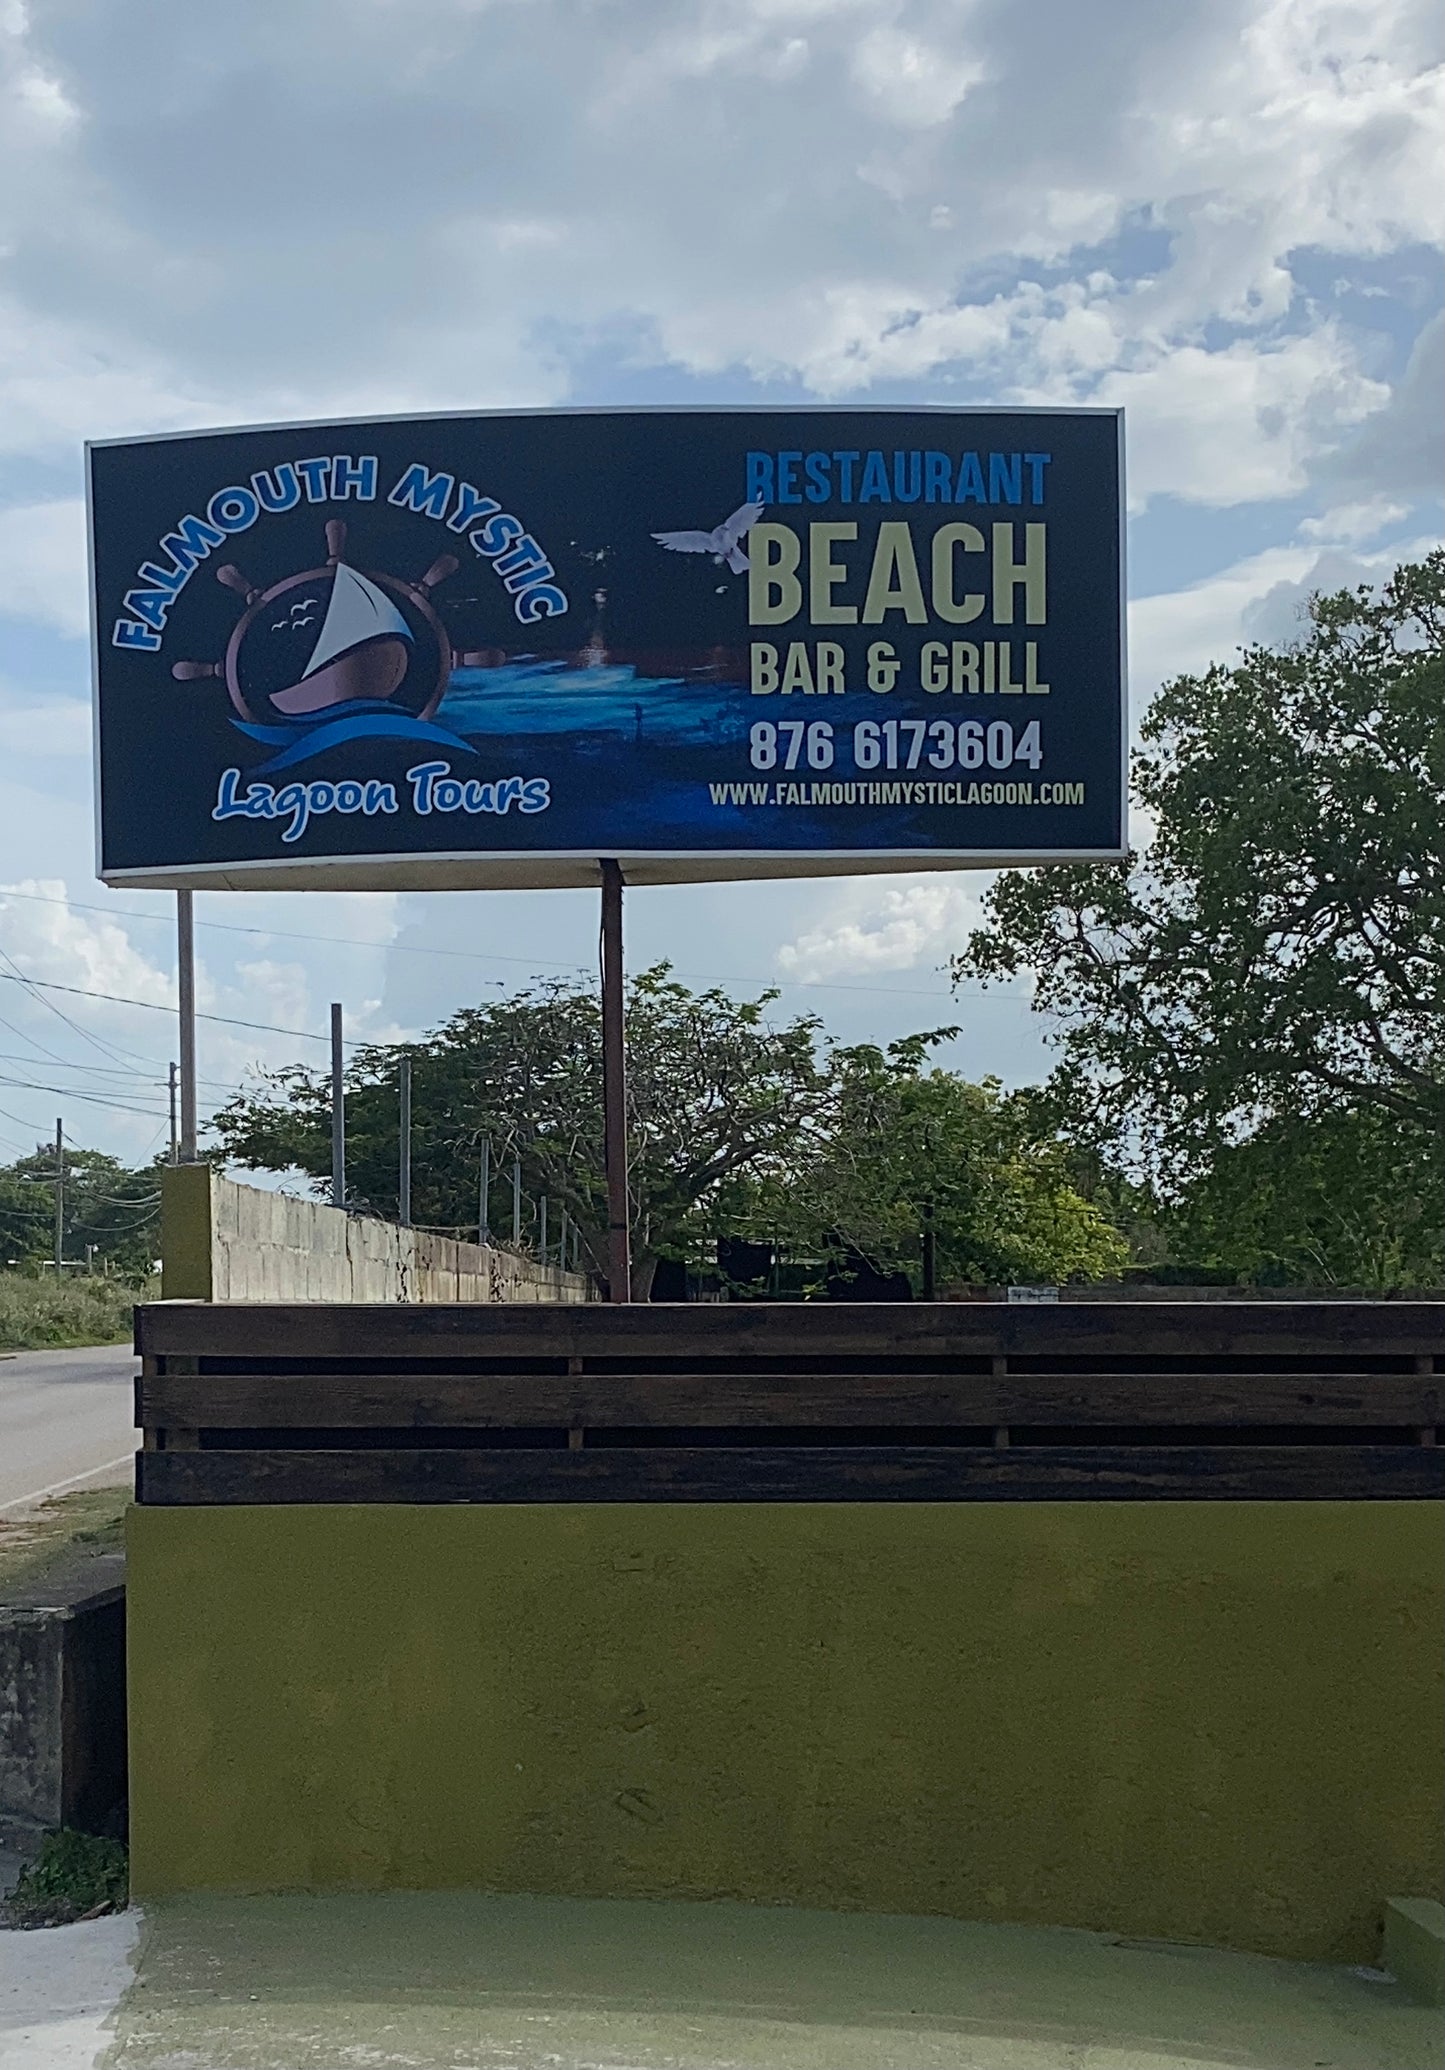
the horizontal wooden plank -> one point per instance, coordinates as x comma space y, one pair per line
901, 1474
873, 1332
239, 1401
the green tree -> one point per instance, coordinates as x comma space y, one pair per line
903, 1139
110, 1211
1349, 1198
1274, 958
715, 1090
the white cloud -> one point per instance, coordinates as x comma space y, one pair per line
912, 82
42, 551
1353, 524
1400, 450
1260, 598
781, 185
104, 1063
61, 727
1238, 425
51, 942
870, 926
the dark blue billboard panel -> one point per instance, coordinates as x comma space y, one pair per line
490, 649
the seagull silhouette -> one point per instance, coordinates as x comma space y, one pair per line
723, 543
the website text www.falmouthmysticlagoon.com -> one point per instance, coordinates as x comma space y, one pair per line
898, 793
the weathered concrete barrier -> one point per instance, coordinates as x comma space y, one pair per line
221, 1241
62, 1700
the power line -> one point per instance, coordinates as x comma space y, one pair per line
35, 1043
95, 1041
150, 1006
151, 1077
65, 1092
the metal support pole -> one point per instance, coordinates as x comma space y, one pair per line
338, 1113
516, 1202
403, 1213
930, 1255
614, 1088
542, 1230
175, 1140
186, 1000
59, 1195
484, 1194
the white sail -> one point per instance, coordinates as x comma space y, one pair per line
358, 611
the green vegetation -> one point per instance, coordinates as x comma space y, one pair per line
36, 1313
1249, 1011
78, 1526
906, 1142
74, 1876
739, 1125
110, 1213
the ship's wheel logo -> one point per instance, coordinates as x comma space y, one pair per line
335, 654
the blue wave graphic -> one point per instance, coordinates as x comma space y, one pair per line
355, 723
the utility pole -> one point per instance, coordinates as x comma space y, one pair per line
59, 1196
614, 1088
186, 1002
484, 1194
404, 1188
516, 1202
338, 1113
175, 1143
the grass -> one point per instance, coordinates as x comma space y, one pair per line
40, 1314
74, 1876
92, 1520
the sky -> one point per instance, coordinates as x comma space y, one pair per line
1223, 216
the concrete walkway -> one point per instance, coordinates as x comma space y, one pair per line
59, 1991
471, 1983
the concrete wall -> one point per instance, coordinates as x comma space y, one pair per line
62, 1705
224, 1242
1212, 1721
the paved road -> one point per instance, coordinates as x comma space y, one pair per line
65, 1421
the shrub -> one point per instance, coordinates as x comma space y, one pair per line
74, 1876
36, 1313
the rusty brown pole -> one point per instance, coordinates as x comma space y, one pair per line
614, 1089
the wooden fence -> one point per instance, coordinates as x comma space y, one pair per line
811, 1403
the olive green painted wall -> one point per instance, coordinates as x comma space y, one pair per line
1211, 1721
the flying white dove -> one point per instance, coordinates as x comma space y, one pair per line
723, 543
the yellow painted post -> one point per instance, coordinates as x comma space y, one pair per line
187, 1232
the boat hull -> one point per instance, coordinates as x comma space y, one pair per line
375, 671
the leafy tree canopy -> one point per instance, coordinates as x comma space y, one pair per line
1351, 1198
739, 1125
714, 1090
1276, 953
106, 1206
908, 1142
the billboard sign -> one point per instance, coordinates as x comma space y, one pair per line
489, 649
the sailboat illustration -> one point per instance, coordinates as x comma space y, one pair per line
361, 651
